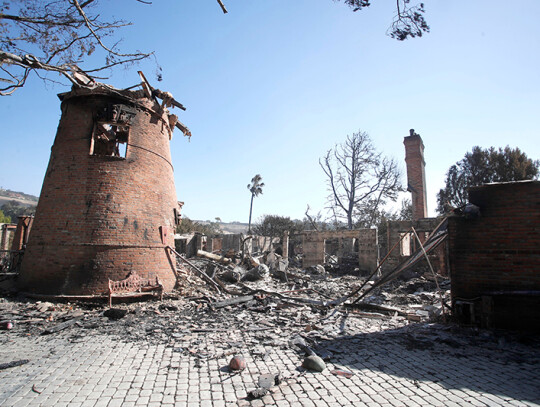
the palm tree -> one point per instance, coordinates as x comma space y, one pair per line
256, 189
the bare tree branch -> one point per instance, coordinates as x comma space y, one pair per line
56, 36
30, 62
86, 3
97, 37
40, 20
311, 220
222, 6
358, 177
15, 82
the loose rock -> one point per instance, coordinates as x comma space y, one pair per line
237, 363
314, 362
257, 393
268, 380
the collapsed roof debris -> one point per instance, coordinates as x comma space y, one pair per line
211, 328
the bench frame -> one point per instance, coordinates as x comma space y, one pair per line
135, 286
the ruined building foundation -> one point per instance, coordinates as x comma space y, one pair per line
108, 203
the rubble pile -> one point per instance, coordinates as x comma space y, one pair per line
255, 318
264, 310
197, 328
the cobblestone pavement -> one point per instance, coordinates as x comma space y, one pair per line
409, 366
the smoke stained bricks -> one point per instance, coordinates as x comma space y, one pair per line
99, 216
416, 174
495, 257
313, 244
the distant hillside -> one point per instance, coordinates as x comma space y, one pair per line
8, 193
232, 227
23, 199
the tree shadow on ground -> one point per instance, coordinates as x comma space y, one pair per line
497, 363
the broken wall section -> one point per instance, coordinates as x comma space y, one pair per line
361, 242
188, 244
401, 229
495, 257
13, 240
7, 233
22, 232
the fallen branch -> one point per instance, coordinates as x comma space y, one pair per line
201, 273
372, 315
212, 256
15, 363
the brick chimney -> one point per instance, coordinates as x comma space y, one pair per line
416, 174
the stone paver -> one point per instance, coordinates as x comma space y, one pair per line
389, 370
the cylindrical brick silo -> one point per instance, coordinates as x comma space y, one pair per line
108, 203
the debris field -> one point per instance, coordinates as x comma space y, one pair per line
243, 337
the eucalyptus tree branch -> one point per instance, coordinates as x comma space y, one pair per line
222, 6
96, 36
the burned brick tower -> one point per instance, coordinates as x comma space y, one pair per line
108, 203
416, 174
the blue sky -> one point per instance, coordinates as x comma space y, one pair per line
272, 85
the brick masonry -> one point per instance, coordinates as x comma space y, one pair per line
416, 175
497, 255
394, 232
7, 234
313, 245
101, 217
24, 226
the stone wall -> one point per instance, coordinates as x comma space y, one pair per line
396, 229
313, 245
